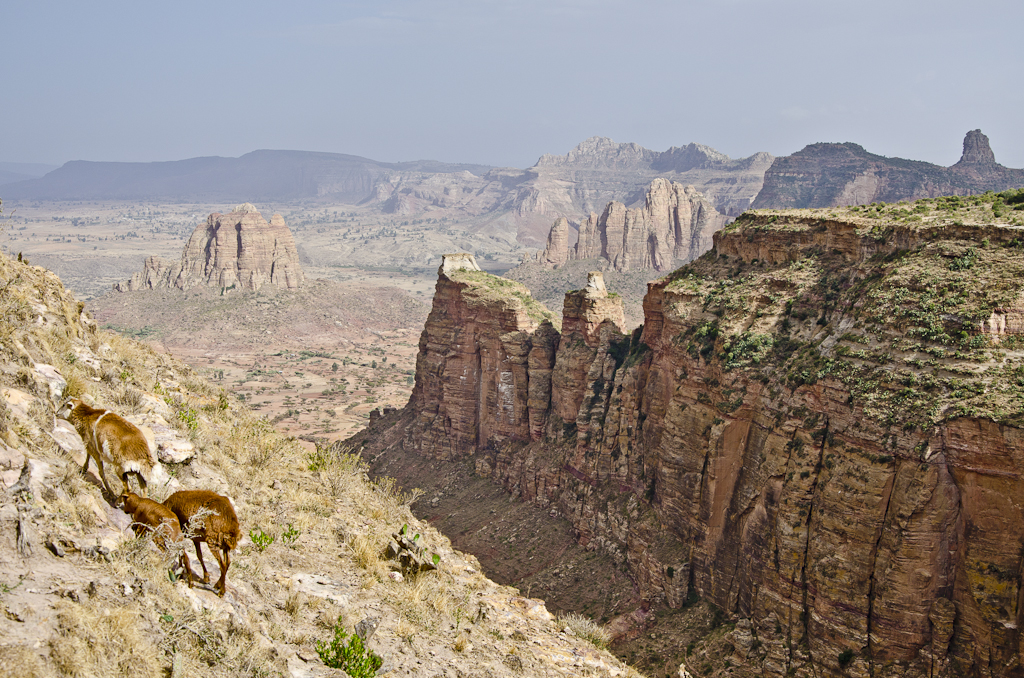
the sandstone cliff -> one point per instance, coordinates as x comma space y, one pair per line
237, 249
818, 429
673, 226
824, 175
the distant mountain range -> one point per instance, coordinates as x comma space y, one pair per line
20, 171
526, 202
594, 173
260, 175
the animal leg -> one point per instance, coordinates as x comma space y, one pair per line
199, 552
225, 563
127, 484
188, 569
103, 477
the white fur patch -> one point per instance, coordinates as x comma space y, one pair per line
135, 466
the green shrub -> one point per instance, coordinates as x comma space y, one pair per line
260, 539
351, 656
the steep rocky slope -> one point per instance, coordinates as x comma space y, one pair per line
81, 596
818, 429
237, 249
824, 175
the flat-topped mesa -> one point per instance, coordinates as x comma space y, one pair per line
830, 174
486, 370
239, 249
789, 235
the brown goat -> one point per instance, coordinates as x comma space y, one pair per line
220, 529
149, 516
112, 439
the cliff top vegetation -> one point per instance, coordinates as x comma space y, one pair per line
515, 295
915, 307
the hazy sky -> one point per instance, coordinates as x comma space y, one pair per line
501, 82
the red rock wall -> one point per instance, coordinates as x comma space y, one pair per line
787, 506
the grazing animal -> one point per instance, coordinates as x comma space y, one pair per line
219, 530
110, 438
149, 516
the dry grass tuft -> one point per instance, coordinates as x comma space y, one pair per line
77, 385
294, 603
128, 399
586, 628
94, 641
17, 661
366, 552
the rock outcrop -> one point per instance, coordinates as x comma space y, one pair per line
239, 249
674, 226
813, 429
827, 175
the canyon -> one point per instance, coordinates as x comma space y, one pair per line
817, 430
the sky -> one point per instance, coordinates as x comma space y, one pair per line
501, 82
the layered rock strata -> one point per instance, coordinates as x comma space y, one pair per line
825, 175
675, 225
814, 430
239, 249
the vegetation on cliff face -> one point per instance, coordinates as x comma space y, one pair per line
489, 288
908, 331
